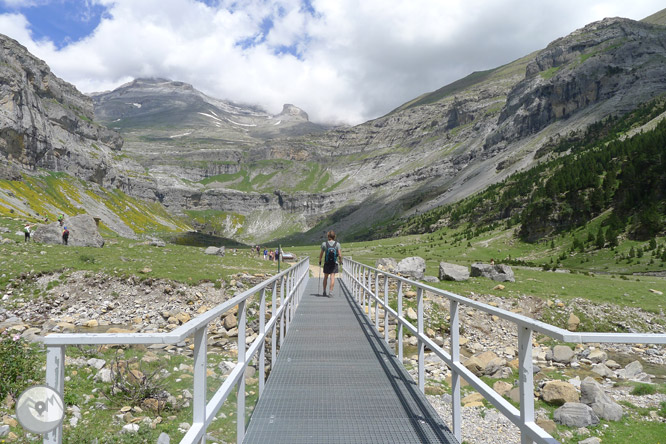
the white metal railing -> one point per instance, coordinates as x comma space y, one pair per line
359, 279
289, 284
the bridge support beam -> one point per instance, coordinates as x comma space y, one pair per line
526, 380
456, 418
55, 378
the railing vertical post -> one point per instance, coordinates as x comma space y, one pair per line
282, 297
386, 315
274, 310
292, 300
55, 378
287, 314
419, 305
354, 284
293, 291
199, 395
348, 272
364, 281
400, 328
376, 300
368, 286
240, 398
455, 377
526, 380
262, 350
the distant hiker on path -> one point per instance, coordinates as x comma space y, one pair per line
26, 231
332, 254
61, 219
65, 235
265, 254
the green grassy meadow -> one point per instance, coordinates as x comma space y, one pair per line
600, 276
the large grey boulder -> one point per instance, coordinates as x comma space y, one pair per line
559, 392
412, 267
497, 272
82, 232
592, 394
387, 263
603, 370
215, 251
453, 272
575, 414
562, 354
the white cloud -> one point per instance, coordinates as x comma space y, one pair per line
356, 59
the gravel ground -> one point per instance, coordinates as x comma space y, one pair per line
480, 425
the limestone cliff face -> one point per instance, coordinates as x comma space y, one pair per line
46, 123
612, 65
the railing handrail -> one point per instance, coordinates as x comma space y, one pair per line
539, 326
356, 273
289, 284
172, 337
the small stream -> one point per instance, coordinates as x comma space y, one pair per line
659, 371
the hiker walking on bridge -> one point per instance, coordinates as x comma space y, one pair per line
332, 254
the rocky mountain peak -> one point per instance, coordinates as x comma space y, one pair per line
291, 112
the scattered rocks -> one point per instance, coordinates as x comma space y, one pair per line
603, 371
387, 264
593, 395
559, 392
478, 363
412, 267
575, 414
230, 321
453, 272
634, 371
592, 440
562, 354
130, 428
497, 272
547, 424
573, 322
154, 242
411, 314
597, 356
501, 387
215, 251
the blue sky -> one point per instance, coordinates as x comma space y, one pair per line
62, 22
342, 61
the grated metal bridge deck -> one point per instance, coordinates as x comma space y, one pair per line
336, 381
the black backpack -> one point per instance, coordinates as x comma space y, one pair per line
331, 255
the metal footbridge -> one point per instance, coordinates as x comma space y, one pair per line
335, 377
336, 381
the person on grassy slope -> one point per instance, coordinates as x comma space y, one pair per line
27, 232
332, 254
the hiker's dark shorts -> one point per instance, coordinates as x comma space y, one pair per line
331, 268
